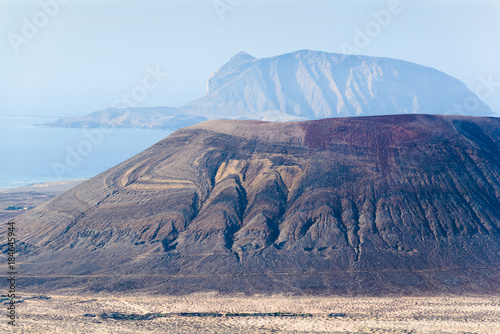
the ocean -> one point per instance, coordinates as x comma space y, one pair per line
31, 154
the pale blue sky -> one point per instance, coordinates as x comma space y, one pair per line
92, 51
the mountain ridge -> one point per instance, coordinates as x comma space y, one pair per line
315, 84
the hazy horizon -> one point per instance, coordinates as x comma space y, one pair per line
74, 57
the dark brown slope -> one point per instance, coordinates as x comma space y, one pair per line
376, 205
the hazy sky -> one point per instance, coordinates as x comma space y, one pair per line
63, 57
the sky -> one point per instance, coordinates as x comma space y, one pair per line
72, 57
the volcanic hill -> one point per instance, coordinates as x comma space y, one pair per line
401, 204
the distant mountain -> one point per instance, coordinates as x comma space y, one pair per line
148, 118
313, 85
305, 85
399, 204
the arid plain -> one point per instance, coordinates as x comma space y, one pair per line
83, 314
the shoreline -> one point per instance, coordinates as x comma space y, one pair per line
28, 197
52, 186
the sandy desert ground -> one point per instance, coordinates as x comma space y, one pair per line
65, 314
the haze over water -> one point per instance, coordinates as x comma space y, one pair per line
29, 153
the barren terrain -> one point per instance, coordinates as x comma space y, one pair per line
380, 206
31, 196
65, 314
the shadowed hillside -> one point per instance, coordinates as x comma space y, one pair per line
404, 204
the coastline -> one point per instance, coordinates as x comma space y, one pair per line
28, 197
53, 186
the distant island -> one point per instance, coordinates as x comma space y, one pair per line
166, 118
303, 85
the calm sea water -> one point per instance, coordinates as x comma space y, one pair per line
30, 154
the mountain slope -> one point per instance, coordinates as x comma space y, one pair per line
312, 85
403, 204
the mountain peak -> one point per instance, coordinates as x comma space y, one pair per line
228, 71
241, 56
314, 84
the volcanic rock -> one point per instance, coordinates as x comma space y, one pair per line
404, 204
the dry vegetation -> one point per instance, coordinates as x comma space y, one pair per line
65, 314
